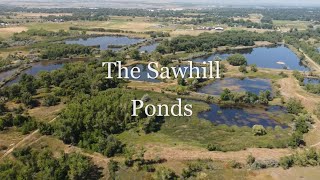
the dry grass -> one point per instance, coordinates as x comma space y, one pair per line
45, 114
7, 32
9, 138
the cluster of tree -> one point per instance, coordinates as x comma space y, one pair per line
26, 35
312, 88
54, 51
246, 97
302, 122
100, 30
90, 121
33, 164
299, 40
207, 41
229, 21
23, 91
309, 157
157, 34
24, 123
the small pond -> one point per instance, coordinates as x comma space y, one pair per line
276, 57
149, 48
244, 116
36, 68
254, 85
105, 41
311, 81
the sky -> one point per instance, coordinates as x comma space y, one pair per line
164, 3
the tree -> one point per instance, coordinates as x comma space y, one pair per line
258, 130
296, 140
135, 54
226, 95
254, 68
237, 60
51, 100
243, 69
294, 106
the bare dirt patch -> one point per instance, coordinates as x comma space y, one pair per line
187, 153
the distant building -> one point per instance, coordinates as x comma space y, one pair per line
219, 28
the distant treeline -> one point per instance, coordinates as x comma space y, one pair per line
207, 41
302, 14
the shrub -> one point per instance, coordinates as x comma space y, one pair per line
254, 68
250, 159
296, 140
51, 100
283, 75
286, 162
213, 147
243, 69
258, 130
298, 76
294, 106
236, 165
237, 60
165, 174
191, 170
113, 167
46, 129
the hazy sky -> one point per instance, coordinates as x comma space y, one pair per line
161, 3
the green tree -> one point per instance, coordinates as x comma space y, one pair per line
237, 60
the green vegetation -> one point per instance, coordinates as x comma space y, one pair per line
32, 164
237, 60
258, 130
246, 97
207, 41
305, 158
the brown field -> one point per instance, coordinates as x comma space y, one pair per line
45, 114
5, 33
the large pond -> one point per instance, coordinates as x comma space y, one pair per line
311, 81
149, 48
276, 57
254, 85
105, 41
244, 116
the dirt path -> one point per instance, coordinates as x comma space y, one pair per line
290, 88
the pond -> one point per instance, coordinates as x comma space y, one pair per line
143, 73
311, 81
276, 57
149, 48
254, 85
36, 68
245, 116
105, 41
